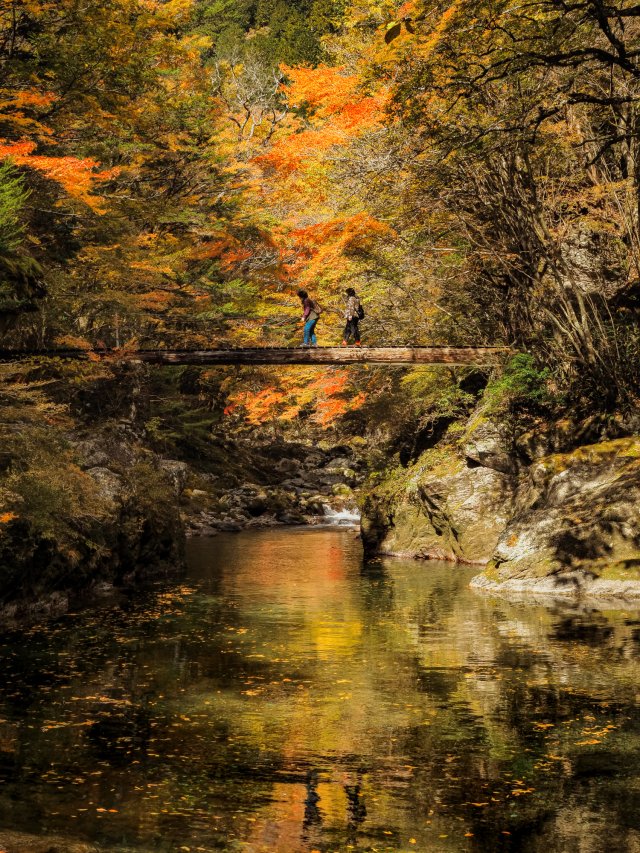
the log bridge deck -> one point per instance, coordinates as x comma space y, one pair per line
479, 356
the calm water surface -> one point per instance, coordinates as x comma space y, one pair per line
283, 698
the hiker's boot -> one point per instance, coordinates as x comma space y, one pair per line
344, 344
358, 344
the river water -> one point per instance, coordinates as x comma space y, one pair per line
282, 697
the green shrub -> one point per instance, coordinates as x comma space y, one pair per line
522, 387
13, 197
436, 393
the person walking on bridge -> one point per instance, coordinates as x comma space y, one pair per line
353, 314
310, 316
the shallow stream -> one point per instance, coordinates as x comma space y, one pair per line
282, 697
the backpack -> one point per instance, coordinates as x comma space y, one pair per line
360, 311
316, 307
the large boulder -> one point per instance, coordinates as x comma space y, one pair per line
489, 445
110, 484
177, 472
576, 525
450, 511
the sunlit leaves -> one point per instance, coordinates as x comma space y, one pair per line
324, 398
76, 176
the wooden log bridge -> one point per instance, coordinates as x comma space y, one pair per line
479, 356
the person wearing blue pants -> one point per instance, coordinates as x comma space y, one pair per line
310, 316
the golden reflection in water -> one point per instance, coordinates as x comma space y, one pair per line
287, 698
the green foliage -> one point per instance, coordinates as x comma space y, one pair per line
522, 386
437, 393
270, 30
45, 497
19, 271
13, 196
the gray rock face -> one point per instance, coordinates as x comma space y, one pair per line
578, 511
570, 522
488, 445
109, 483
453, 513
178, 473
92, 454
568, 584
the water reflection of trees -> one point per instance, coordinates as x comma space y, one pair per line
300, 700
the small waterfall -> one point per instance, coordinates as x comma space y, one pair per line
342, 517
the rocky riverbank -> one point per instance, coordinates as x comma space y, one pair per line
553, 509
104, 473
296, 483
128, 511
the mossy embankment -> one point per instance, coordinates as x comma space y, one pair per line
543, 503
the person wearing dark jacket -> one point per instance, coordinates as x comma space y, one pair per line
310, 317
352, 316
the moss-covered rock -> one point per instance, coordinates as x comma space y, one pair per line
68, 526
576, 524
564, 520
445, 510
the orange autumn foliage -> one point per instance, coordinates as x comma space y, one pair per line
326, 397
75, 175
324, 89
320, 250
340, 110
157, 300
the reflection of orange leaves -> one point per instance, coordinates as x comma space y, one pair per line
7, 517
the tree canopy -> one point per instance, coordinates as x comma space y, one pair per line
172, 172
